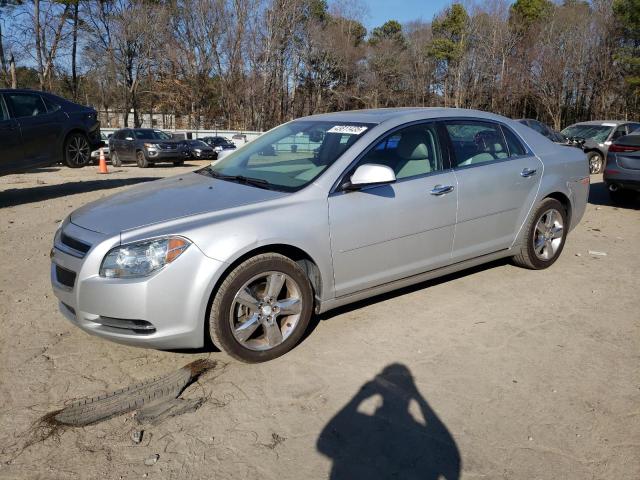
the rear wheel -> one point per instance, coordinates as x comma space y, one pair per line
261, 309
141, 160
545, 236
115, 159
77, 151
595, 162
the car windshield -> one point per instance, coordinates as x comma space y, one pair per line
291, 156
197, 143
148, 134
599, 133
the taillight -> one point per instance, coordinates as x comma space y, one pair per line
624, 148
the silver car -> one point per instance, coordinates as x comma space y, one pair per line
314, 214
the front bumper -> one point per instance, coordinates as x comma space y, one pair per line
165, 310
157, 155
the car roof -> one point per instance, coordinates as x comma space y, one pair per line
20, 90
380, 115
612, 123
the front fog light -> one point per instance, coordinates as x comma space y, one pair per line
142, 258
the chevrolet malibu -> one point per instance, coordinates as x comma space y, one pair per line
314, 214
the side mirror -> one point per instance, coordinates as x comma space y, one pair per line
370, 174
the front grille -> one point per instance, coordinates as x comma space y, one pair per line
77, 245
65, 277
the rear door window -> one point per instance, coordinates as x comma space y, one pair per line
27, 104
476, 142
516, 149
51, 105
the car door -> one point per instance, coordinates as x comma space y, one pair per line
127, 146
38, 128
12, 157
115, 144
384, 233
498, 179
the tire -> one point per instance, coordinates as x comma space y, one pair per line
596, 162
77, 151
178, 163
621, 196
141, 159
530, 256
115, 159
259, 346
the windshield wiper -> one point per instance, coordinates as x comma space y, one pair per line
256, 182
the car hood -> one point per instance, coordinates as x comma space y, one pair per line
164, 200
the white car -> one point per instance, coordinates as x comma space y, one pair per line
95, 155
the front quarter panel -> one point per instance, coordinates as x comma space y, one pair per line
298, 220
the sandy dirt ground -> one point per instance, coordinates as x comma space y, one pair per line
497, 372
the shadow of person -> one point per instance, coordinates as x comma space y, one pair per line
376, 435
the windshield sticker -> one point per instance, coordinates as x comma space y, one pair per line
348, 129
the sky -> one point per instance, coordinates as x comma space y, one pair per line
401, 10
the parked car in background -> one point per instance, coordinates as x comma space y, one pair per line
622, 171
595, 137
239, 137
219, 143
95, 155
246, 249
146, 146
200, 150
39, 129
545, 130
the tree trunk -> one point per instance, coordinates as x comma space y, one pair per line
74, 49
36, 19
12, 69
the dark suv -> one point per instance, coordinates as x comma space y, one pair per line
39, 129
146, 146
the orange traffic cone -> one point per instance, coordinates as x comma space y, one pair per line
103, 163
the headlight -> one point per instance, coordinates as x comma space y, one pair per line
151, 145
142, 258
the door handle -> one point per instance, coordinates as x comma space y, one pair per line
441, 190
528, 172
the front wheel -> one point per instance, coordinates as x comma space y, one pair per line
261, 309
545, 236
77, 152
115, 159
595, 162
141, 160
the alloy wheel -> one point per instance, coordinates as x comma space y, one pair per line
266, 310
595, 163
548, 235
78, 150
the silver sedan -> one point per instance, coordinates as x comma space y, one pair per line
314, 214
